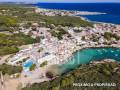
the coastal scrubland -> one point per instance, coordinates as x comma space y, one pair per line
9, 43
27, 13
9, 69
59, 32
108, 72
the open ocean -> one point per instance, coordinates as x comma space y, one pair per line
112, 10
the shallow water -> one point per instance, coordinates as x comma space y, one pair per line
87, 55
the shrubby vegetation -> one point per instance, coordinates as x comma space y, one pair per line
11, 16
109, 35
8, 23
9, 43
33, 67
59, 32
56, 20
26, 13
15, 10
8, 69
15, 39
44, 64
8, 50
66, 21
94, 73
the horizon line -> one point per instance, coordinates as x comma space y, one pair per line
53, 2
77, 2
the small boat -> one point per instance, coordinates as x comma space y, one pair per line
116, 54
112, 51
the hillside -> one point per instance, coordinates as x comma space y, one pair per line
105, 72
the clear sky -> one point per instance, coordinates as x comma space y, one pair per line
60, 1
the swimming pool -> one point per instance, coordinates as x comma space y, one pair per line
28, 64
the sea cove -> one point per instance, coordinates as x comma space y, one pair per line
87, 55
39, 47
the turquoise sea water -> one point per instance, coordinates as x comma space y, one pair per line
87, 55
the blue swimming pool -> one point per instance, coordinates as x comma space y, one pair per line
28, 64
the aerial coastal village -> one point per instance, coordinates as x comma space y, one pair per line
33, 40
